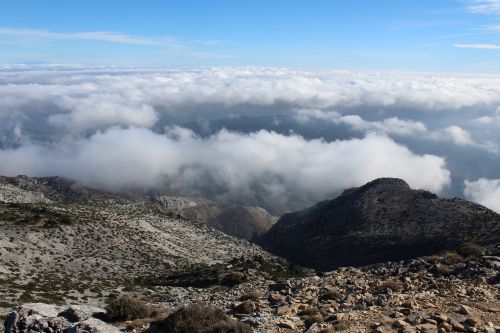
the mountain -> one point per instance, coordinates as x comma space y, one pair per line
241, 221
63, 242
382, 220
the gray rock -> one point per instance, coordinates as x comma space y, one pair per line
40, 317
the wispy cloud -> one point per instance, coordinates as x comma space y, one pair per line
103, 36
478, 46
484, 6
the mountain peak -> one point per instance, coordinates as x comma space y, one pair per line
382, 220
380, 185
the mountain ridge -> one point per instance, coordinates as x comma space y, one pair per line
382, 220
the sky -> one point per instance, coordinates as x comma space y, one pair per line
277, 104
445, 35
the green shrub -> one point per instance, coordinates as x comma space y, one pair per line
199, 318
127, 308
470, 250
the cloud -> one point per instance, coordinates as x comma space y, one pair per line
103, 36
91, 97
102, 111
490, 119
484, 6
459, 135
394, 126
478, 46
484, 191
266, 168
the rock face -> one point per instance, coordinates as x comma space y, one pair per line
40, 317
382, 220
241, 221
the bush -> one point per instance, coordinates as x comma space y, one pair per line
252, 296
470, 250
331, 294
392, 285
199, 318
247, 307
127, 308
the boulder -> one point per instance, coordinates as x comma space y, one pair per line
41, 317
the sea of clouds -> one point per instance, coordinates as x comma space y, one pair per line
279, 138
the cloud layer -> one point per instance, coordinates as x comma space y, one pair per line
293, 137
92, 98
285, 170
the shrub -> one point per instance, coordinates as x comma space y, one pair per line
311, 319
127, 308
247, 307
470, 250
451, 258
232, 279
199, 318
308, 312
252, 296
331, 294
392, 285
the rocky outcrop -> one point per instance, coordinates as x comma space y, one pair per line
382, 220
40, 317
240, 221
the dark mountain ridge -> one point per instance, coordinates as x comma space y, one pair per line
382, 220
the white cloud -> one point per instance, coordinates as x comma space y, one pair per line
484, 6
478, 46
395, 126
284, 171
102, 111
392, 125
487, 120
484, 191
103, 36
459, 135
86, 98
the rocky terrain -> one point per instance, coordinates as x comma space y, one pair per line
76, 260
61, 242
441, 293
241, 221
382, 220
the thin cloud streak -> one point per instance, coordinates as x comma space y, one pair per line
103, 36
484, 6
478, 46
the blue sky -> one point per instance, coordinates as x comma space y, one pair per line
444, 35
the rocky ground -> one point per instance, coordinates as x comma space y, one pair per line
63, 244
442, 293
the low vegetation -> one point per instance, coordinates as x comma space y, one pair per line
198, 318
127, 308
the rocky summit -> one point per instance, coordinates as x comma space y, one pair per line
380, 221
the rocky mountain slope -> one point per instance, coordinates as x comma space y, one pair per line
62, 242
241, 221
382, 220
440, 293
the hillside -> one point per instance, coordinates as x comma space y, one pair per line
62, 242
240, 221
382, 220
